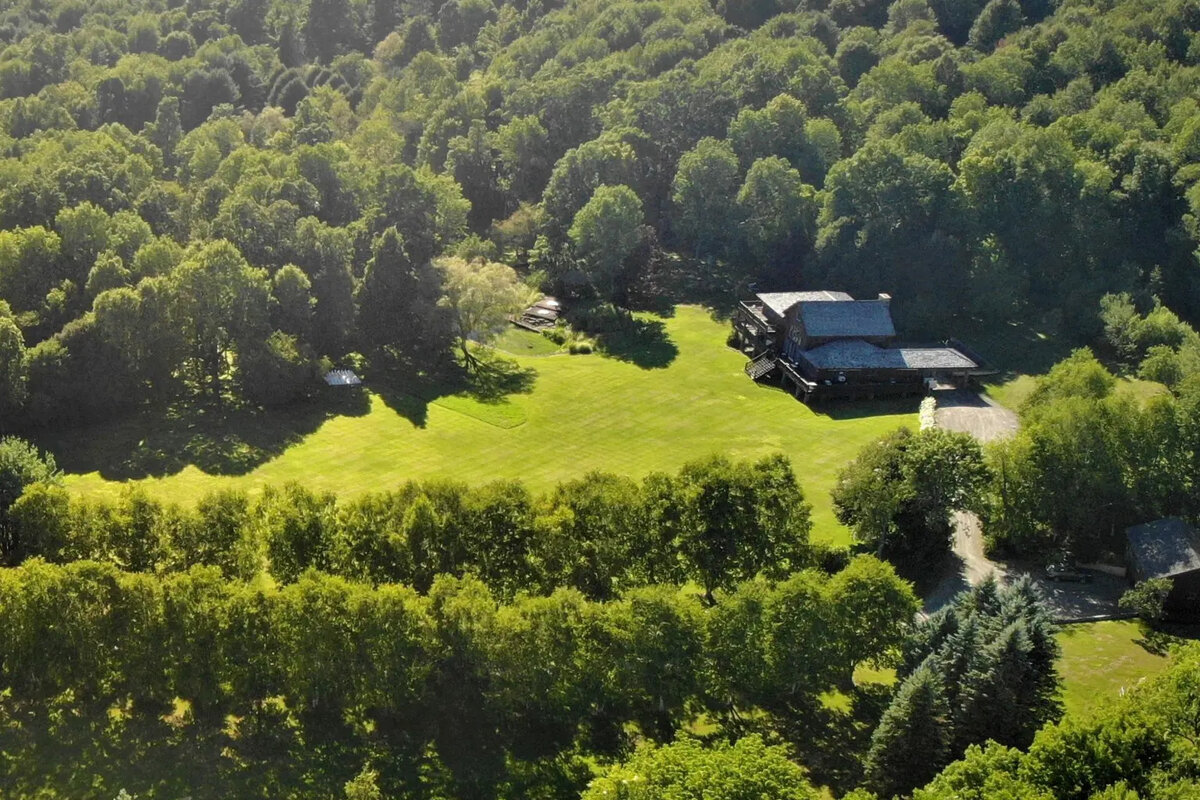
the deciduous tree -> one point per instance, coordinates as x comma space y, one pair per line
479, 297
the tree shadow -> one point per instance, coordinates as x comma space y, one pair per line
1017, 347
833, 742
959, 398
158, 441
1162, 637
409, 391
643, 342
495, 378
87, 752
621, 335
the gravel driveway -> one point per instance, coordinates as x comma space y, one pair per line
973, 413
980, 416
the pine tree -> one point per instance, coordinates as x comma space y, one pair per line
385, 17
396, 301
912, 742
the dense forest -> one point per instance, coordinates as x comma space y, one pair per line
211, 202
314, 172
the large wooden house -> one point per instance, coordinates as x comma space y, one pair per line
827, 345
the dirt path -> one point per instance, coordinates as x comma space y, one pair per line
980, 416
969, 565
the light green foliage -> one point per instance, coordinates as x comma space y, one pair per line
703, 193
22, 464
221, 306
1084, 446
899, 493
778, 646
778, 212
688, 770
13, 369
1147, 598
479, 298
737, 520
364, 786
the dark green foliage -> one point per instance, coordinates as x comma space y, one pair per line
278, 371
1134, 748
997, 19
397, 302
980, 669
912, 739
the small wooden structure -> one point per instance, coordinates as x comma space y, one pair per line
540, 316
827, 345
1168, 548
342, 377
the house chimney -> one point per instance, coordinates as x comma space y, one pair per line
885, 298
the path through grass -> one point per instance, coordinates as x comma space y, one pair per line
584, 412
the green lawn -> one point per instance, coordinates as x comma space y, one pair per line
1012, 391
1099, 659
684, 396
521, 342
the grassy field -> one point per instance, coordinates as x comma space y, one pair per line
1099, 659
683, 398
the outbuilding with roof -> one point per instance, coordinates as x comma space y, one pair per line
1168, 548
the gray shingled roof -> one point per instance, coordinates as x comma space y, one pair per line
781, 302
857, 354
1164, 548
857, 318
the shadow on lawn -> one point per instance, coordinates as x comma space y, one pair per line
226, 440
1159, 640
409, 392
643, 342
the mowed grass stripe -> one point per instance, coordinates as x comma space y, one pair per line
584, 412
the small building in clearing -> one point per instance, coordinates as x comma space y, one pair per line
827, 345
540, 316
342, 377
1167, 548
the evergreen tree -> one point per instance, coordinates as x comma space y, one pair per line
913, 738
397, 302
385, 17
